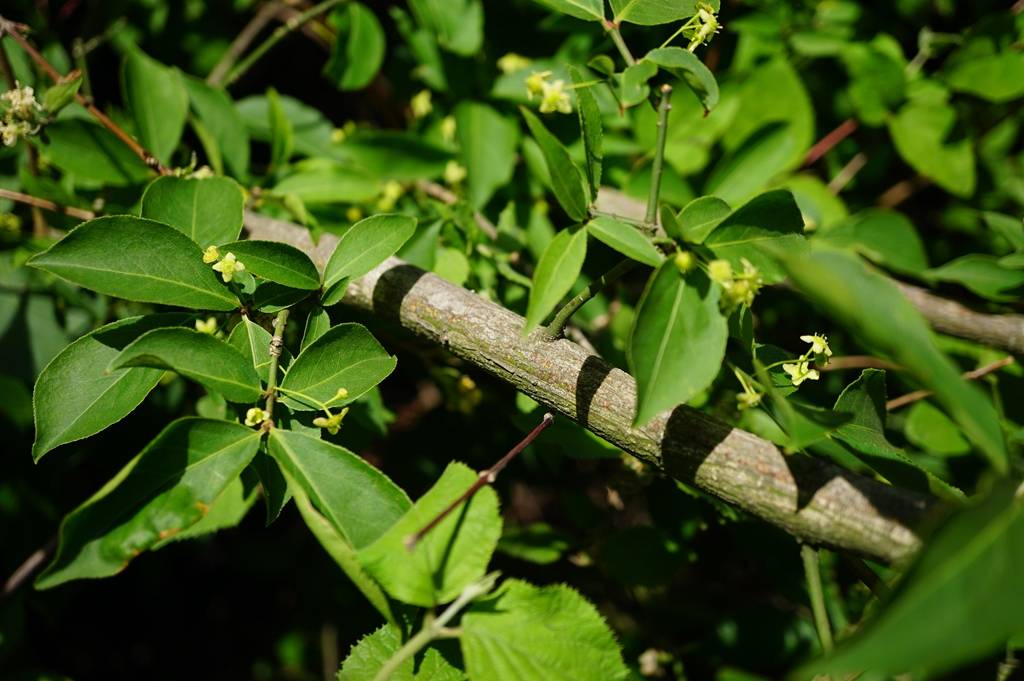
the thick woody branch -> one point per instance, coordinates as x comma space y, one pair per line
813, 500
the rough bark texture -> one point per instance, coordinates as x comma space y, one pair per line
814, 500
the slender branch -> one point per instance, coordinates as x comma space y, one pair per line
46, 204
276, 347
613, 30
553, 331
277, 36
434, 190
829, 141
812, 571
848, 172
664, 106
15, 30
902, 190
28, 568
972, 375
857, 362
241, 42
486, 477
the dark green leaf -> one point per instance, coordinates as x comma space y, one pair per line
158, 100
591, 10
685, 66
358, 48
566, 180
654, 12
925, 136
276, 262
626, 239
61, 94
327, 183
751, 167
633, 88
91, 154
457, 24
700, 217
770, 221
221, 119
282, 131
317, 324
253, 342
208, 211
591, 129
884, 237
983, 275
365, 245
556, 273
488, 143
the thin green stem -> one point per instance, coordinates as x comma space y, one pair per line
613, 31
418, 642
664, 106
553, 330
277, 36
276, 347
812, 571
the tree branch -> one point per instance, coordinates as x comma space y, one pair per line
814, 500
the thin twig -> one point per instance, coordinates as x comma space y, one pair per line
28, 568
277, 36
664, 107
812, 571
486, 477
434, 190
553, 331
830, 141
276, 347
857, 362
46, 204
848, 172
15, 30
902, 190
613, 30
242, 41
972, 375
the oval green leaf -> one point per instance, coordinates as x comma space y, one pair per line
626, 239
685, 66
277, 262
158, 101
566, 180
365, 245
208, 211
557, 271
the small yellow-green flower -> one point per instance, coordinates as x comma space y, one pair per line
819, 344
211, 254
801, 371
228, 266
448, 129
555, 98
208, 326
421, 104
685, 261
11, 131
748, 400
454, 173
535, 83
255, 416
21, 102
389, 195
720, 271
331, 423
354, 214
340, 395
513, 62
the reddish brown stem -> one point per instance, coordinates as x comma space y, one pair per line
15, 30
486, 477
46, 204
829, 141
972, 375
242, 41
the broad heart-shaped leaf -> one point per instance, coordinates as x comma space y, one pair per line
137, 259
365, 245
90, 153
864, 400
591, 10
685, 66
529, 633
983, 275
358, 49
959, 602
771, 220
924, 135
367, 657
166, 489
566, 180
347, 356
678, 340
209, 361
253, 342
218, 114
870, 306
277, 262
699, 218
75, 396
626, 239
557, 271
208, 211
158, 101
358, 500
488, 143
454, 554
654, 12
591, 129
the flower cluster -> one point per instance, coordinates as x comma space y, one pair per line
255, 416
227, 266
454, 173
750, 397
332, 422
421, 104
740, 287
553, 95
701, 27
801, 370
21, 117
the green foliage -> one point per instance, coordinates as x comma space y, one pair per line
556, 272
207, 211
365, 245
158, 100
356, 57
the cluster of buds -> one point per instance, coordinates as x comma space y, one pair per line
22, 114
255, 416
802, 370
448, 127
421, 104
553, 95
454, 173
227, 266
332, 422
750, 397
701, 27
207, 326
389, 195
740, 287
513, 62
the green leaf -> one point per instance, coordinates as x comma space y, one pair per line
76, 397
803, 424
137, 259
91, 154
677, 342
227, 511
983, 275
347, 356
770, 221
884, 237
931, 430
752, 167
221, 119
166, 489
633, 88
61, 94
158, 101
367, 657
451, 556
358, 49
685, 66
870, 306
209, 361
277, 262
327, 183
282, 133
317, 324
995, 77
699, 218
457, 24
208, 211
956, 603
529, 633
365, 245
626, 239
488, 143
591, 129
654, 12
591, 10
865, 433
557, 271
253, 342
566, 180
925, 136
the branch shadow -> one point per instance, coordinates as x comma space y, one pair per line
391, 289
